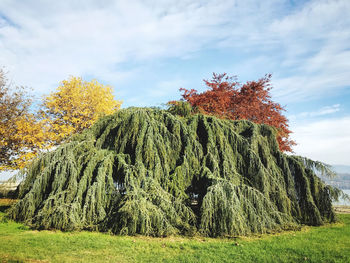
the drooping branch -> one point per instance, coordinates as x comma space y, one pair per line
152, 172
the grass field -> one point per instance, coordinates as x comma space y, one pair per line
329, 243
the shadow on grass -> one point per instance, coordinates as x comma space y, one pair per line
6, 203
4, 208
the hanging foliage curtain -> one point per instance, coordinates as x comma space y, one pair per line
153, 172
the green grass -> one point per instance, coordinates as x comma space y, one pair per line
329, 243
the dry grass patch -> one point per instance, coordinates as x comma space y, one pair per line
342, 209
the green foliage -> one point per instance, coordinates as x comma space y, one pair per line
148, 171
239, 210
181, 108
320, 167
312, 244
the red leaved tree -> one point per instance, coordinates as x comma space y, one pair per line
227, 98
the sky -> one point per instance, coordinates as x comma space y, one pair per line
147, 50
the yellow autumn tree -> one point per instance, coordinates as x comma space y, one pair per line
76, 105
21, 133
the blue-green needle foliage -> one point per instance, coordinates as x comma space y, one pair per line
154, 172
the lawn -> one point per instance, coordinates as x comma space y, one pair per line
329, 243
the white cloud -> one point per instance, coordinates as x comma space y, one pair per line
44, 42
169, 87
323, 111
313, 18
316, 51
318, 113
307, 49
327, 140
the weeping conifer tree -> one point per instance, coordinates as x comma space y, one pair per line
160, 172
